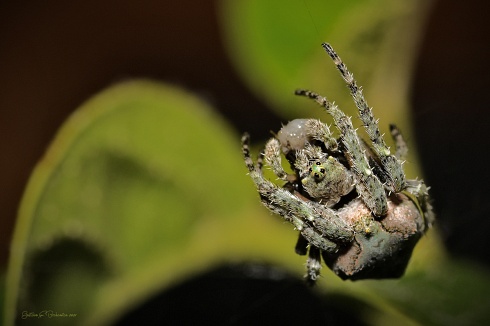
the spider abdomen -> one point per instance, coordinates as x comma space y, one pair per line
381, 248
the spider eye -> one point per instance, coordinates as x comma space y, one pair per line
317, 171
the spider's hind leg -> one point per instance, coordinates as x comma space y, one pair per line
401, 145
418, 189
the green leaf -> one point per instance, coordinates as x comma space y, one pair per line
143, 186
275, 45
454, 293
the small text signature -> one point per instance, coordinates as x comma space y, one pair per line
46, 314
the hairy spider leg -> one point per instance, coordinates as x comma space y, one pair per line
305, 157
272, 154
401, 145
313, 266
297, 211
395, 177
260, 159
420, 191
416, 188
301, 247
320, 131
369, 186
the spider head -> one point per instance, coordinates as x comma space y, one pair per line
327, 180
316, 172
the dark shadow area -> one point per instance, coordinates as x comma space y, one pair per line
451, 115
246, 294
66, 274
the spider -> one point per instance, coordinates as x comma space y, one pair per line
349, 199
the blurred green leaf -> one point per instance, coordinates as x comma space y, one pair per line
453, 293
142, 186
276, 47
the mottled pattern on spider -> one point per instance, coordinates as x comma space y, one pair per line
349, 199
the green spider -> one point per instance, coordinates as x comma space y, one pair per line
349, 199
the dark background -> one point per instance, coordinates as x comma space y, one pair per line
55, 54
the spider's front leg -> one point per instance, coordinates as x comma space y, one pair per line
294, 137
392, 167
368, 186
319, 225
272, 155
322, 176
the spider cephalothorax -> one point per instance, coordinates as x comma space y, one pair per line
349, 199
